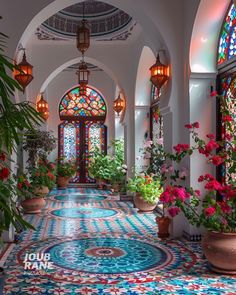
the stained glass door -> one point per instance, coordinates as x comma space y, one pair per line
82, 129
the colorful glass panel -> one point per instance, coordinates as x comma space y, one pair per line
157, 123
74, 105
155, 94
228, 86
227, 43
95, 137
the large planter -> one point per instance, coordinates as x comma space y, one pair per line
34, 205
42, 191
220, 251
143, 205
163, 223
62, 181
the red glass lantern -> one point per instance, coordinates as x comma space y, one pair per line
42, 108
159, 73
23, 72
118, 105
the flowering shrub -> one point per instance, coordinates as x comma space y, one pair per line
66, 168
8, 189
149, 188
216, 208
43, 174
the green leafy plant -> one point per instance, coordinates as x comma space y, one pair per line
14, 118
43, 175
66, 168
149, 188
38, 144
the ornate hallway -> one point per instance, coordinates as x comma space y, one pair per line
99, 245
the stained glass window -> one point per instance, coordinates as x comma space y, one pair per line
95, 134
156, 117
74, 105
227, 43
155, 94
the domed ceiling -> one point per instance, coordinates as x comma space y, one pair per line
104, 20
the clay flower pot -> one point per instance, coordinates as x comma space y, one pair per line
163, 223
143, 205
220, 251
43, 191
62, 181
34, 205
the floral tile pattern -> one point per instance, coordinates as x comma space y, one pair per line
119, 254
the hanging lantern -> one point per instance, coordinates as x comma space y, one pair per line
42, 108
83, 76
159, 73
23, 72
118, 105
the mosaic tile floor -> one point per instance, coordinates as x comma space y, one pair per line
98, 245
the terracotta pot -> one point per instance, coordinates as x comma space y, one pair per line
100, 184
62, 182
163, 226
220, 251
143, 205
116, 187
33, 205
44, 190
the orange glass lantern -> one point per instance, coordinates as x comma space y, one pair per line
159, 73
23, 72
42, 108
118, 105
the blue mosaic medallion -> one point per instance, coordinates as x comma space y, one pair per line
79, 198
84, 212
107, 255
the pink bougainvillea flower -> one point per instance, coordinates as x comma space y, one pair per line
196, 125
209, 211
227, 118
188, 126
197, 192
216, 160
4, 173
213, 93
213, 185
210, 136
173, 211
225, 208
160, 141
211, 145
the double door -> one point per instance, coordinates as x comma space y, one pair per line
76, 140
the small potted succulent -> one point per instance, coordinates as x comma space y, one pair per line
30, 201
65, 170
148, 191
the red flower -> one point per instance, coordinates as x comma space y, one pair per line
217, 160
213, 185
228, 136
196, 125
180, 193
173, 211
4, 173
211, 145
225, 208
197, 192
26, 183
210, 211
179, 148
37, 174
227, 118
210, 136
19, 185
188, 126
213, 93
2, 156
201, 178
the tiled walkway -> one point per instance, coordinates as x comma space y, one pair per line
99, 245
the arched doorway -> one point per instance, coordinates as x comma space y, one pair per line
82, 128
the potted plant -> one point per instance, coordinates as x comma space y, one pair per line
65, 170
215, 208
100, 167
148, 191
39, 144
31, 201
42, 177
